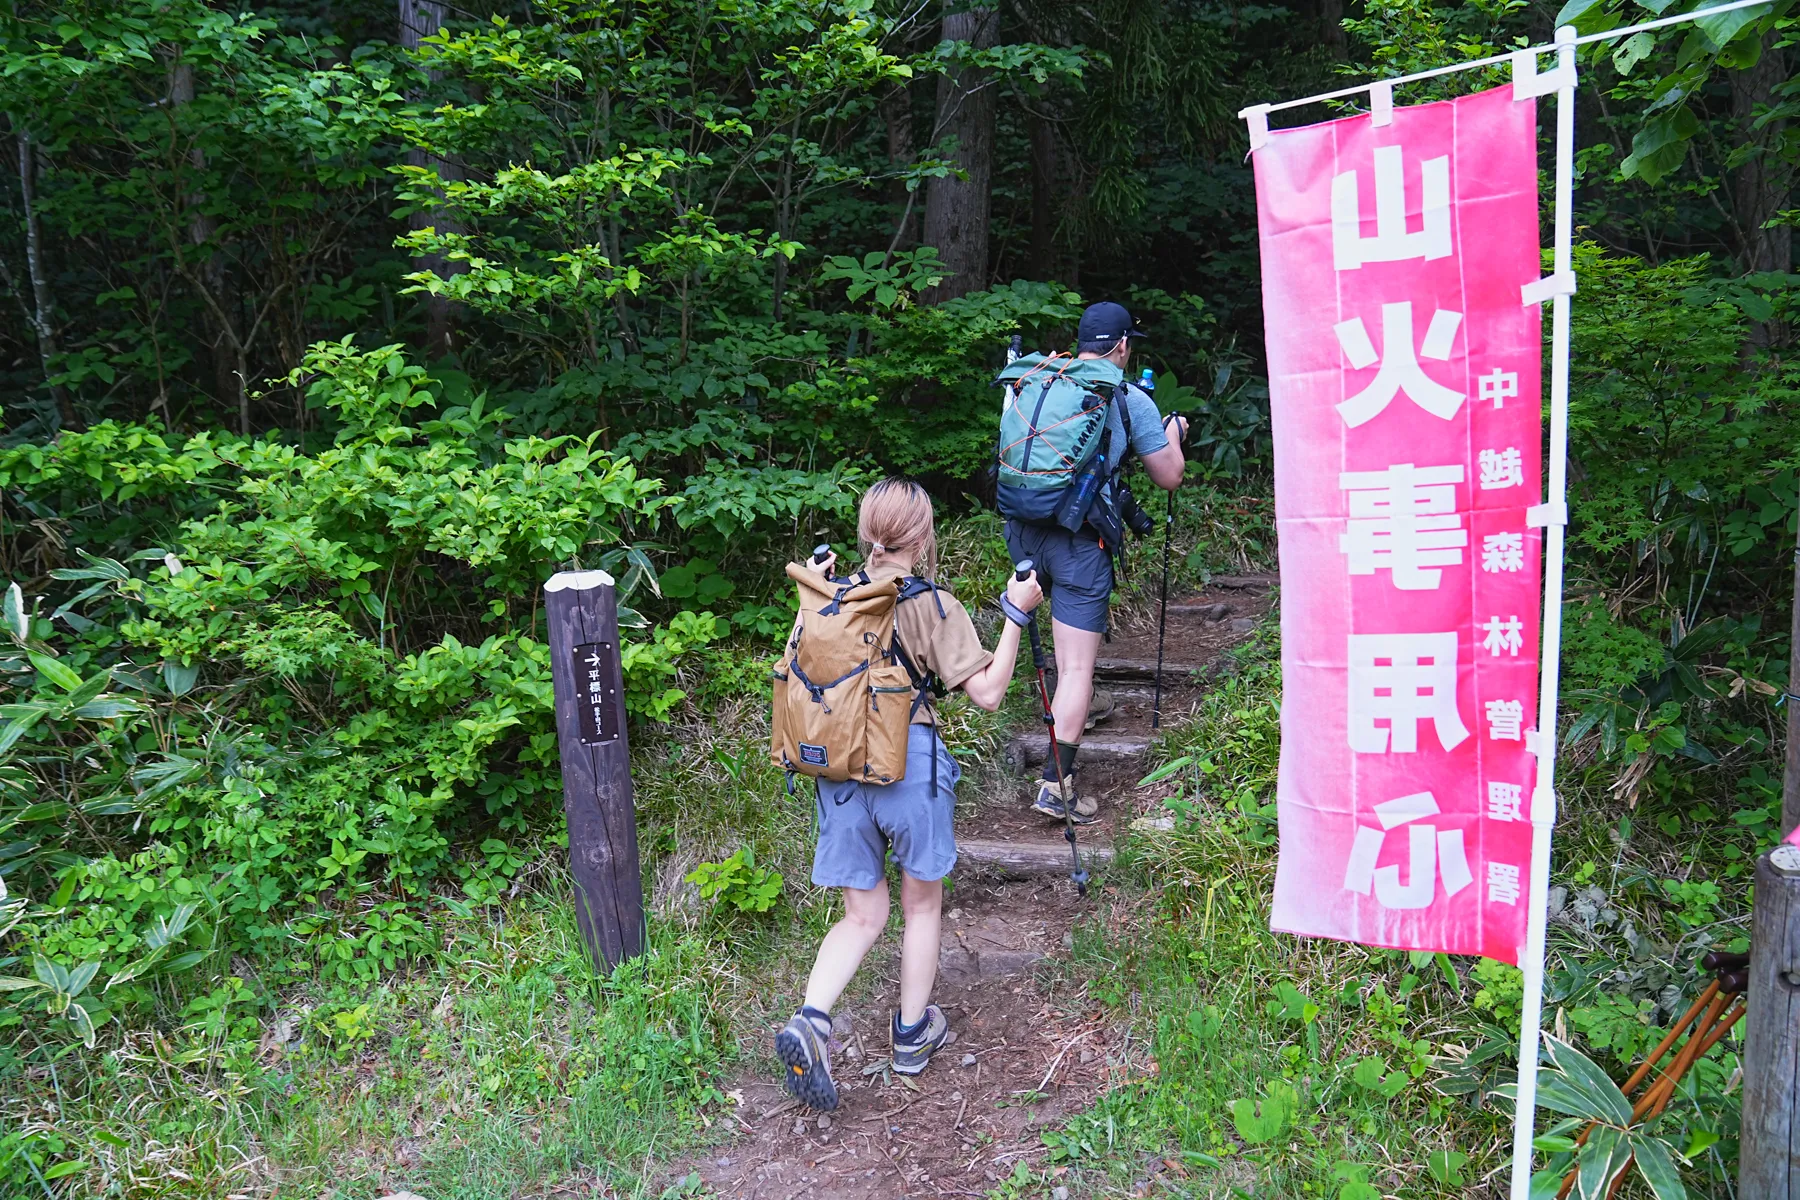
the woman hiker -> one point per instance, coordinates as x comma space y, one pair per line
861, 823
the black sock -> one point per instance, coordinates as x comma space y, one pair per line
905, 1033
1065, 759
816, 1016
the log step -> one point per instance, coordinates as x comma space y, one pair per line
1142, 669
1027, 751
1030, 858
1216, 611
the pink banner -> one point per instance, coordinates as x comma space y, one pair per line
1404, 380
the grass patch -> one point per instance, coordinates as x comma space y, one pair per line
1294, 1067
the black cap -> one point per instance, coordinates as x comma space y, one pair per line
1102, 325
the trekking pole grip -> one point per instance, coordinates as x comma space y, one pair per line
1021, 572
821, 552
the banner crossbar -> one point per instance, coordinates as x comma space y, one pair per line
1499, 59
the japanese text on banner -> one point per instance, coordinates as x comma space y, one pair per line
1404, 383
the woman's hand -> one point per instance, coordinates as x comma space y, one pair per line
1024, 593
987, 687
821, 566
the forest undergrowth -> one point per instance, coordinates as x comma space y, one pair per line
335, 329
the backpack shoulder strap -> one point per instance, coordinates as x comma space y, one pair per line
926, 681
913, 585
1122, 398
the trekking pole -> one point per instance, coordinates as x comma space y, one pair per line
1162, 616
1015, 348
1078, 875
822, 551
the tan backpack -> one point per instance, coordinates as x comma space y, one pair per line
845, 689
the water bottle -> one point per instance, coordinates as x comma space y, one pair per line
1147, 383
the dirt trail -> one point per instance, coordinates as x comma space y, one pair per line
1029, 1050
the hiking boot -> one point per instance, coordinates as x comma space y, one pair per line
1085, 809
804, 1048
1100, 706
911, 1054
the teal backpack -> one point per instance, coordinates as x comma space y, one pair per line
1053, 436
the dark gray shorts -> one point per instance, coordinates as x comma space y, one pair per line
860, 822
1075, 571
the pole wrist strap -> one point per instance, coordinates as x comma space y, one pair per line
1014, 613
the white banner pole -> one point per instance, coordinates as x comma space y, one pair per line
1552, 516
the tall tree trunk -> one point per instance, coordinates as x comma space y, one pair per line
897, 116
43, 298
1043, 199
956, 210
420, 19
1330, 15
1790, 775
1761, 187
229, 354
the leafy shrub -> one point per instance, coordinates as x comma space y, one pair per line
328, 685
738, 884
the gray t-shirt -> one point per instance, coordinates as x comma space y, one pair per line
1147, 436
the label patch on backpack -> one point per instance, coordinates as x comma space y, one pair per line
813, 756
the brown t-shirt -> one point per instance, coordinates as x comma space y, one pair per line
945, 645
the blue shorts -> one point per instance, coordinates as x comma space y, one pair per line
860, 822
1075, 570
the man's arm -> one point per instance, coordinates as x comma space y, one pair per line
1166, 466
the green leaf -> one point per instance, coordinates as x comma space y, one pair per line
83, 1023
1450, 975
1723, 29
1657, 1168
1589, 1081
132, 970
81, 976
19, 726
111, 706
1446, 1166
1545, 1185
1277, 1109
1600, 1161
1167, 769
88, 689
66, 889
1660, 145
1632, 51
179, 679
12, 983
55, 672
1573, 11
17, 624
1700, 1141
63, 1170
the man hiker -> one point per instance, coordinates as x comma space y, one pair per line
1076, 567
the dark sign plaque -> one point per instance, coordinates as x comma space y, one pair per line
597, 701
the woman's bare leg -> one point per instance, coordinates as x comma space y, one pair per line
923, 905
842, 951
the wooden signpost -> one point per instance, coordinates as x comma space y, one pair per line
582, 611
1769, 1145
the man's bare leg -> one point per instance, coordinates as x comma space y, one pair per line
1076, 650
